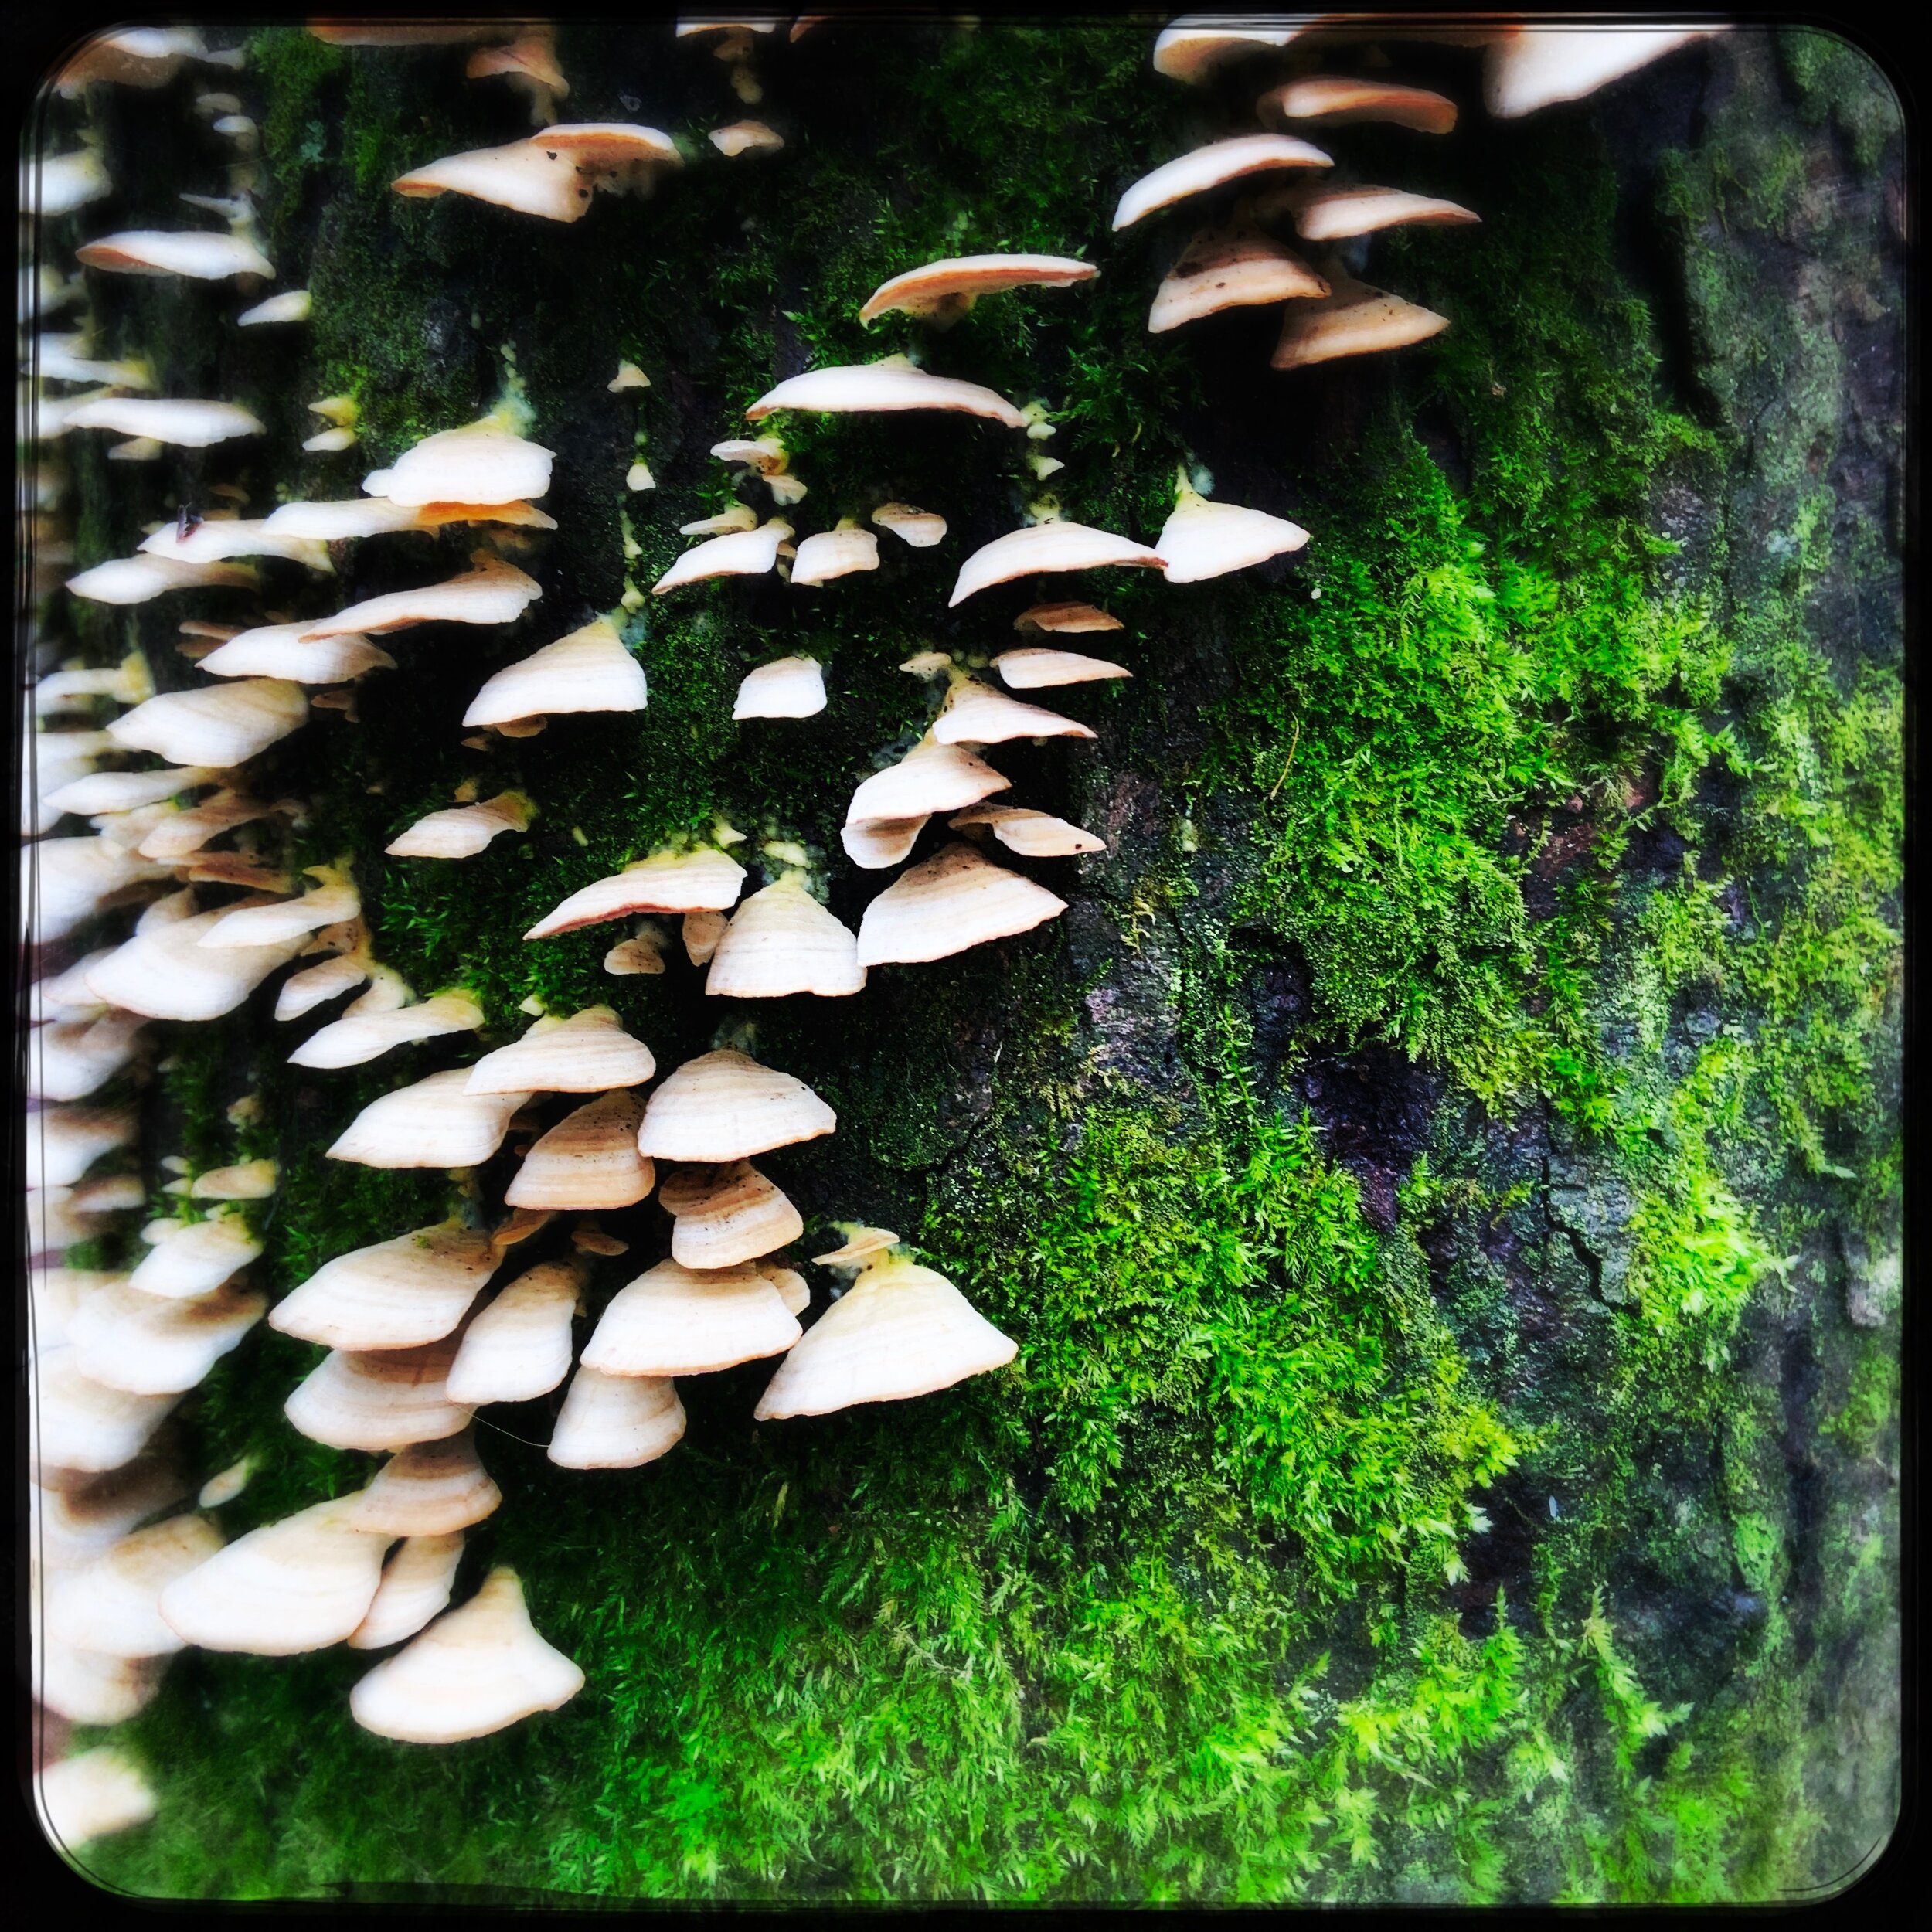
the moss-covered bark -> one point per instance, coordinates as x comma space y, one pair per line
1442, 1171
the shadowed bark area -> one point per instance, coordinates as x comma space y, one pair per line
1443, 1170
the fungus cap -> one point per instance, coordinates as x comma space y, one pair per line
835, 553
201, 254
291, 306
1537, 67
976, 714
1342, 103
858, 1246
69, 880
953, 285
1190, 48
1034, 669
1354, 319
428, 1490
218, 726
139, 579
1039, 548
588, 1162
86, 1687
56, 184
524, 176
1334, 214
192, 1258
461, 831
1033, 835
282, 919
378, 1401
397, 1294
702, 880
785, 687
188, 425
300, 1584
739, 1216
72, 1059
358, 1038
518, 1347
216, 538
64, 1142
891, 384
781, 941
482, 462
438, 1122
247, 1181
90, 1796
723, 1106
1229, 267
589, 1053
151, 1345
492, 591
675, 1320
1212, 166
109, 1605
616, 1422
921, 528
302, 992
953, 901
745, 138
589, 670
1202, 539
931, 778
280, 651
738, 553
899, 1331
417, 1582
474, 1671
877, 843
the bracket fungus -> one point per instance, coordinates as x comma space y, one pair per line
1033, 668
90, 1796
483, 462
1335, 214
1537, 67
1343, 103
438, 1122
899, 1331
300, 1584
552, 174
529, 63
589, 670
334, 900
836, 553
200, 254
51, 186
921, 528
293, 305
676, 1321
491, 591
1190, 48
1213, 166
164, 972
426, 1490
474, 1671
785, 687
1202, 539
216, 726
1353, 319
1037, 549
781, 941
461, 831
138, 1341
518, 1347
745, 138
138, 579
724, 1106
740, 552
280, 651
64, 1142
942, 291
949, 902
589, 1161
379, 1401
192, 425
975, 714
363, 1034
893, 383
616, 1422
77, 1423
109, 1605
1231, 268
703, 880
190, 1258
875, 844
1033, 835
732, 1214
397, 1294
417, 1582
589, 1053
86, 1687
931, 777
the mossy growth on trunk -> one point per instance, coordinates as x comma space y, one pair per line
1426, 1169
